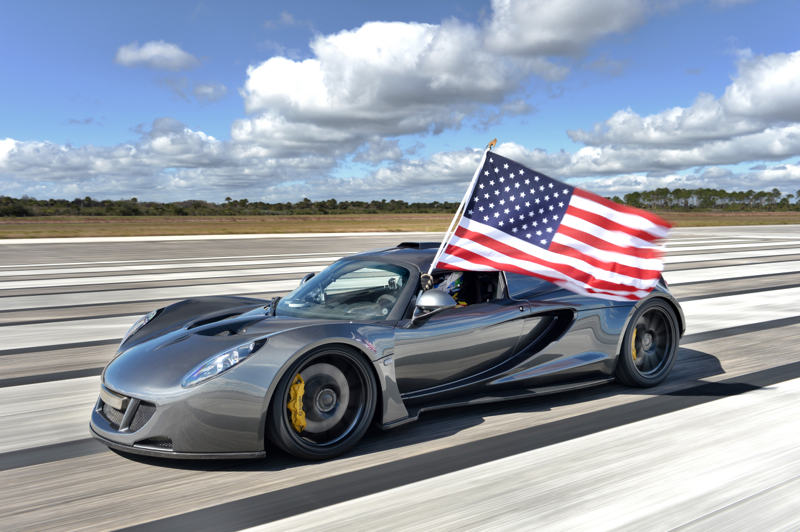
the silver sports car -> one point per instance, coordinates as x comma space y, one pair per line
360, 343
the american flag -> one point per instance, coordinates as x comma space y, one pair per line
518, 220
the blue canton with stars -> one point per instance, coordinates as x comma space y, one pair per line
518, 201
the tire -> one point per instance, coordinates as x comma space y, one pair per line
339, 402
647, 357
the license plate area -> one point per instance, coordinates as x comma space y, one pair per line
112, 399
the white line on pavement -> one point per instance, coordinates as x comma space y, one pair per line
674, 250
124, 239
295, 255
65, 332
143, 294
49, 412
731, 272
148, 267
703, 315
117, 279
708, 257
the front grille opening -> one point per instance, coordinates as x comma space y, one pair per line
143, 414
112, 415
158, 443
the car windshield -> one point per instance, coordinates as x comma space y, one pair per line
347, 290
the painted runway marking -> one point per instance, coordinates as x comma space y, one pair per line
724, 312
176, 260
713, 257
731, 272
147, 267
268, 236
183, 276
142, 294
674, 250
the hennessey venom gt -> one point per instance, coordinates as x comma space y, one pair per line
216, 377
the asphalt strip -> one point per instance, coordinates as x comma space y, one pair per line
58, 347
50, 377
269, 507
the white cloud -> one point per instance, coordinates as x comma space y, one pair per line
764, 96
564, 27
363, 89
394, 78
209, 92
170, 161
378, 150
159, 55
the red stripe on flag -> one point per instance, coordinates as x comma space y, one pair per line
608, 225
614, 267
515, 253
622, 208
605, 245
475, 258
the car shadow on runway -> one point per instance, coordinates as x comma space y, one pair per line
685, 379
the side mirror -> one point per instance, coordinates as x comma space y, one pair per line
305, 279
430, 303
435, 300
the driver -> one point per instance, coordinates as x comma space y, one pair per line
452, 284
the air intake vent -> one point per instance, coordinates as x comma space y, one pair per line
112, 415
157, 443
215, 319
143, 414
418, 245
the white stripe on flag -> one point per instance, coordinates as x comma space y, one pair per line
618, 238
559, 279
656, 265
622, 218
557, 258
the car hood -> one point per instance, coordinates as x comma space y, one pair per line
156, 360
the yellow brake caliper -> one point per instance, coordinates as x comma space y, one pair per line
633, 344
296, 403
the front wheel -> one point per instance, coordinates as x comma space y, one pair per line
650, 345
323, 404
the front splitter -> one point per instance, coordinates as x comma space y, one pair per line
172, 454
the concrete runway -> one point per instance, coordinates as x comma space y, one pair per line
716, 447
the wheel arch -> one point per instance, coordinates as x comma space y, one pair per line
307, 350
661, 296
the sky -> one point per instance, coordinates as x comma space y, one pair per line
361, 100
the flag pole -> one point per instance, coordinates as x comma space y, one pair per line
462, 206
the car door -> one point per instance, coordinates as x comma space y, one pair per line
456, 343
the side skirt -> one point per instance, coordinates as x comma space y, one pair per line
413, 413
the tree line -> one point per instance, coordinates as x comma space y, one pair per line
682, 199
26, 206
660, 199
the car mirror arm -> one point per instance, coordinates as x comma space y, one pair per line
421, 315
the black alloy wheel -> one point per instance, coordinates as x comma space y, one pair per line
338, 401
650, 345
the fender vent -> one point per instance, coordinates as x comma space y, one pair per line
158, 443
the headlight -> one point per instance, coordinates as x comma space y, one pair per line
141, 322
221, 363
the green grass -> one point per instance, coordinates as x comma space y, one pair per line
76, 226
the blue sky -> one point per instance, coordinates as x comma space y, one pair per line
372, 100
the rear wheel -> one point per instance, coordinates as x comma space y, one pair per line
650, 345
323, 404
